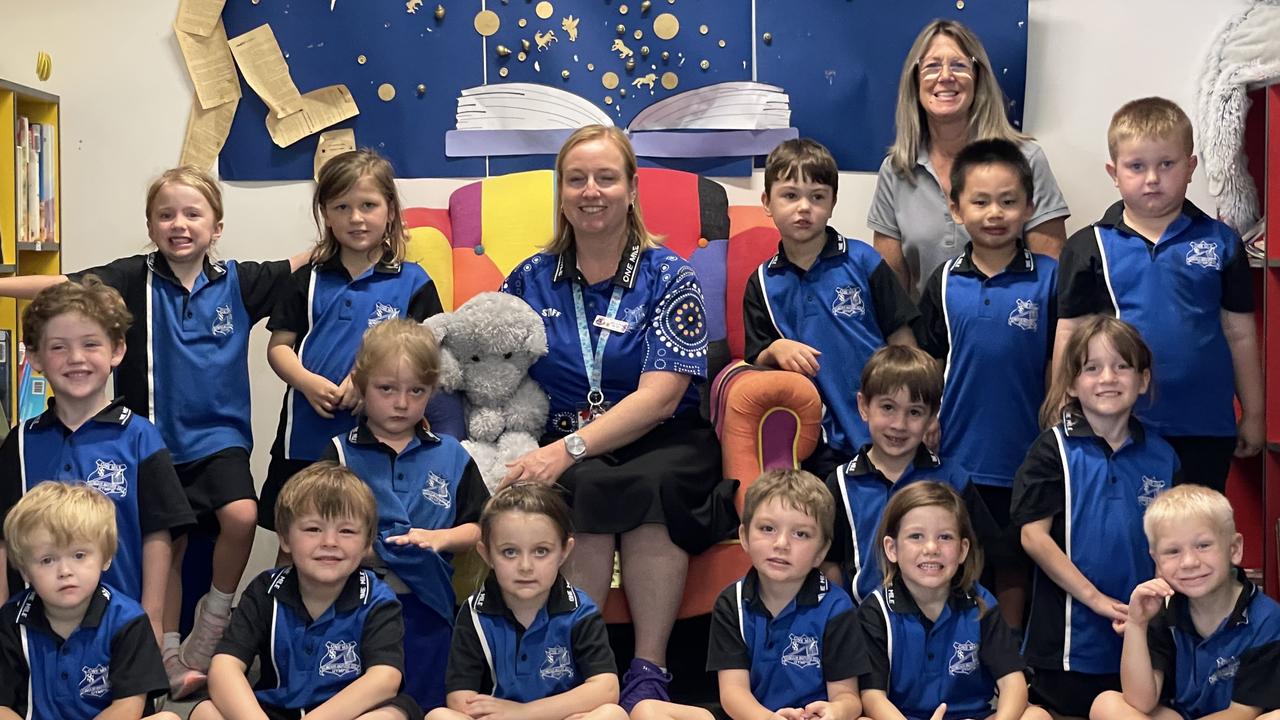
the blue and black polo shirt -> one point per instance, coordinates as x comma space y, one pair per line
995, 335
329, 311
921, 663
844, 306
1234, 664
112, 656
862, 492
186, 365
432, 484
661, 304
304, 660
1173, 291
116, 452
1096, 498
492, 653
791, 658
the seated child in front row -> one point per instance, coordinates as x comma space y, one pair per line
901, 390
1200, 639
938, 645
428, 490
529, 644
1078, 499
328, 634
71, 647
784, 641
75, 335
822, 294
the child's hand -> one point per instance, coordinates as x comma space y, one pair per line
794, 356
1250, 436
939, 713
933, 434
818, 710
322, 394
425, 539
1148, 600
350, 398
1111, 609
490, 707
789, 714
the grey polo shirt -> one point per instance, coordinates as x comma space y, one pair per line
918, 214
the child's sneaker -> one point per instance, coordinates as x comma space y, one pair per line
206, 631
182, 680
643, 681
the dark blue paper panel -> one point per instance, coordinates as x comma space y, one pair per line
840, 60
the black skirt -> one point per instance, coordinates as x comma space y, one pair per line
670, 476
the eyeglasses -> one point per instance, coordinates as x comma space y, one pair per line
931, 69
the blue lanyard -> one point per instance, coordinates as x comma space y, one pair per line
594, 364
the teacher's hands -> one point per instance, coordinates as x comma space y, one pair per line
544, 465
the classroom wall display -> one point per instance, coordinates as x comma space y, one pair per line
466, 88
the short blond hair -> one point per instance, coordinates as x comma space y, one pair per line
69, 512
194, 178
1151, 118
331, 491
797, 489
1186, 503
395, 339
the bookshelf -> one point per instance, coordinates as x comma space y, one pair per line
30, 230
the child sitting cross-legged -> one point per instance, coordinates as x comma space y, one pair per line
328, 633
71, 647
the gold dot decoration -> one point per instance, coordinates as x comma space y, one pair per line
524, 45
666, 55
564, 74
705, 64
721, 43
502, 72
422, 89
622, 9
591, 67
623, 92
637, 34
522, 56
362, 59
487, 23
670, 80
621, 29
666, 26
631, 64
386, 92
503, 51
703, 29
609, 80
522, 22
644, 6
959, 4
439, 12
768, 38
608, 99
544, 10
644, 51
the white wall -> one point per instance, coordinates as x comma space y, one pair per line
125, 99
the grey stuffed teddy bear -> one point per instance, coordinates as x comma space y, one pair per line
486, 348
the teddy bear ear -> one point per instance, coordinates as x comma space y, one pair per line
438, 324
536, 344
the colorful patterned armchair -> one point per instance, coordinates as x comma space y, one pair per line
765, 419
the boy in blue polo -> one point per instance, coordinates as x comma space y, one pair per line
901, 390
328, 633
75, 335
1200, 639
989, 315
1182, 278
821, 295
71, 647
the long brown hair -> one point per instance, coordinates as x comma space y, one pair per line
1124, 338
338, 176
929, 494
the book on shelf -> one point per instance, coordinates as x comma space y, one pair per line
35, 181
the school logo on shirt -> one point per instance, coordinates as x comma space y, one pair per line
848, 302
965, 659
436, 490
802, 652
222, 324
94, 683
557, 666
1026, 315
1151, 487
108, 478
1227, 667
383, 312
633, 317
340, 659
1204, 254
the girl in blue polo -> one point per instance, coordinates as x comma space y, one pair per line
428, 489
935, 640
357, 279
1078, 499
529, 638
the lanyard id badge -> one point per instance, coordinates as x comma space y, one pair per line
593, 360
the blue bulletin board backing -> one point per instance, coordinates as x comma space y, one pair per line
838, 60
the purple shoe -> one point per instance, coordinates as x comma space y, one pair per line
643, 681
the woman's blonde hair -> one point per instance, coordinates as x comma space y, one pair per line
931, 494
338, 176
636, 230
1124, 339
393, 340
987, 118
